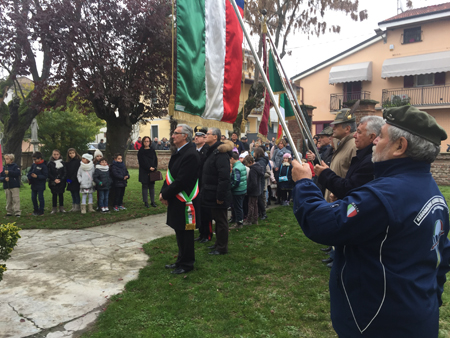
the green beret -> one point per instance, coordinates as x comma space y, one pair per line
344, 116
328, 131
416, 122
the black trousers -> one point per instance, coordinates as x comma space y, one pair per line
186, 251
220, 216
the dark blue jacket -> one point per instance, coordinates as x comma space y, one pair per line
13, 174
118, 171
41, 170
285, 171
359, 173
103, 177
254, 180
392, 250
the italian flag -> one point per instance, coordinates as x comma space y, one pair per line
351, 210
209, 59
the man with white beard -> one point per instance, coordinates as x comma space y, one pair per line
392, 250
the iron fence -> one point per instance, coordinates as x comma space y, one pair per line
419, 96
338, 101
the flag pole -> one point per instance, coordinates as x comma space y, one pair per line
296, 109
266, 83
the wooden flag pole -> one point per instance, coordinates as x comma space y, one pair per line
266, 83
293, 101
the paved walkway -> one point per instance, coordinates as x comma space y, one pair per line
58, 280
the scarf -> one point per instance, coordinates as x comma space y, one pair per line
58, 163
286, 164
102, 167
42, 161
86, 167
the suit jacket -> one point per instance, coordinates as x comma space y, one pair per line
184, 168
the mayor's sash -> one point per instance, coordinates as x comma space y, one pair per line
184, 197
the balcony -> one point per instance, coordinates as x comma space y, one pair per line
419, 96
338, 101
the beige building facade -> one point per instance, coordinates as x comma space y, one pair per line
406, 62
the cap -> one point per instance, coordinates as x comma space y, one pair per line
328, 131
87, 157
200, 131
344, 116
244, 154
243, 137
287, 155
416, 122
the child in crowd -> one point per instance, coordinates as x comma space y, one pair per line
98, 155
72, 166
120, 176
37, 176
85, 177
285, 182
57, 180
253, 189
102, 181
10, 176
238, 189
245, 203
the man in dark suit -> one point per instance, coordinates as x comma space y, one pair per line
183, 177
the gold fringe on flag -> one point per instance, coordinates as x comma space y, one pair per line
197, 120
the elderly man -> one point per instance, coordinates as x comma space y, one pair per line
204, 221
216, 187
392, 250
361, 167
182, 177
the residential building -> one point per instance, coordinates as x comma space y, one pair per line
406, 62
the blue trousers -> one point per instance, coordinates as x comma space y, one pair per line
35, 194
103, 196
238, 208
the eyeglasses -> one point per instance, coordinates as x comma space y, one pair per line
209, 133
176, 133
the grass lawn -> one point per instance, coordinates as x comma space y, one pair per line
132, 201
271, 284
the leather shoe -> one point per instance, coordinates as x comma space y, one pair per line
179, 271
326, 249
171, 266
212, 246
204, 240
197, 239
330, 265
153, 205
215, 252
327, 260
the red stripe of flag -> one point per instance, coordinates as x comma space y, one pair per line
233, 63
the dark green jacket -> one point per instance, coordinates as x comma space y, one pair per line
238, 179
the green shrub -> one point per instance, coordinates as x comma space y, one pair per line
9, 235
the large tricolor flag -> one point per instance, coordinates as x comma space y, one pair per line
209, 59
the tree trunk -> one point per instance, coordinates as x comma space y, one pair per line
14, 128
117, 134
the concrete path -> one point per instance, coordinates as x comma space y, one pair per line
59, 280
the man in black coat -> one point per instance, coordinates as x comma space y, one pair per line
360, 171
183, 168
216, 187
204, 218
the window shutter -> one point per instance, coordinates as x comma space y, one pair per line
408, 81
439, 79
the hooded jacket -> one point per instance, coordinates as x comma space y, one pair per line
254, 180
216, 175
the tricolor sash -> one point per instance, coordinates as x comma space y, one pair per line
184, 197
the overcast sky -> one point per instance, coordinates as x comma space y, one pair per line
309, 52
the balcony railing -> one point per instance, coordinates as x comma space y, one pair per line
337, 101
420, 96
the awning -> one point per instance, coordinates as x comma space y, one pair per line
416, 65
349, 73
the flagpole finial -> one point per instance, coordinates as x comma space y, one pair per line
172, 105
264, 21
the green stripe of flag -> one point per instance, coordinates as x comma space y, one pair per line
190, 94
274, 77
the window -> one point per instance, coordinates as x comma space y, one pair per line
424, 80
411, 35
352, 91
435, 79
155, 132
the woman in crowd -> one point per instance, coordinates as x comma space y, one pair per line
148, 162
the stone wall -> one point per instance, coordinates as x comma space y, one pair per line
163, 159
440, 169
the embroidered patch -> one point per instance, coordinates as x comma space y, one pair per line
436, 202
352, 210
438, 232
